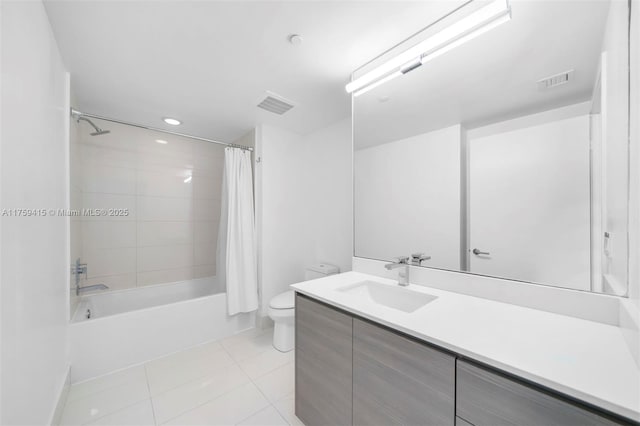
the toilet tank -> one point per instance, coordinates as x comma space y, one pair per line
320, 270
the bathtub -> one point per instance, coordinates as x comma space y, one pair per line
118, 329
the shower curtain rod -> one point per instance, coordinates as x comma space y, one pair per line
75, 112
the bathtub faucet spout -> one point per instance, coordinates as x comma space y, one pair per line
91, 287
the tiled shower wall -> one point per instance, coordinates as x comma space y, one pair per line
172, 192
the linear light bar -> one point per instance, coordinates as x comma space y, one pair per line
470, 27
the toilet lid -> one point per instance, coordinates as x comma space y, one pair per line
283, 300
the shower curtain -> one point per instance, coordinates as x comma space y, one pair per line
236, 254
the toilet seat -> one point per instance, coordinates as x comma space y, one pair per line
284, 300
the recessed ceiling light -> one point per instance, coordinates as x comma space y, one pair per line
172, 121
162, 141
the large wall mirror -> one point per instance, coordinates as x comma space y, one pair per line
506, 154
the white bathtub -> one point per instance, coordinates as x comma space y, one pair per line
133, 326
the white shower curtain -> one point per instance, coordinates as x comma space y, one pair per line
236, 255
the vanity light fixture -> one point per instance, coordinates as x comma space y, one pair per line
172, 121
490, 16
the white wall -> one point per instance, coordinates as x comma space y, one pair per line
75, 203
407, 198
279, 211
34, 264
630, 312
303, 203
327, 198
634, 207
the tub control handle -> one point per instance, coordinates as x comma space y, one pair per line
477, 252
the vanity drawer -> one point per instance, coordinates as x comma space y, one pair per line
486, 398
323, 364
400, 381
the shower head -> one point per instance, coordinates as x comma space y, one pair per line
98, 130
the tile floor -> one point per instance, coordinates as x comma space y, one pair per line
239, 380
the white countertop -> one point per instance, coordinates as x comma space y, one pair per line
584, 359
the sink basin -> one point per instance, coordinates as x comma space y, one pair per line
395, 297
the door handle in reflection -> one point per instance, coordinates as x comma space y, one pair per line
478, 252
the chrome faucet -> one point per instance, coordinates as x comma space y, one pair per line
78, 269
403, 275
418, 258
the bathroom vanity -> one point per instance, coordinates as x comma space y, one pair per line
368, 354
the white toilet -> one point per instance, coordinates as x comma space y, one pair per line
282, 308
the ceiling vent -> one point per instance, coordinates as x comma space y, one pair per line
555, 80
275, 104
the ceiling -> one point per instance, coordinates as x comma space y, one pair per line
493, 77
209, 63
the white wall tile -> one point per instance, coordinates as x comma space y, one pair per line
165, 233
128, 169
205, 231
206, 166
106, 156
75, 198
114, 282
164, 257
201, 271
176, 146
164, 184
205, 254
112, 261
206, 209
109, 201
165, 208
207, 186
108, 179
208, 149
169, 164
108, 234
164, 276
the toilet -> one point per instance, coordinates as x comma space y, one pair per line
282, 308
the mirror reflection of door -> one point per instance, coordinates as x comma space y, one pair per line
536, 173
529, 200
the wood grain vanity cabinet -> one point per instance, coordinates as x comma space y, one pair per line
399, 381
351, 371
323, 364
487, 398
